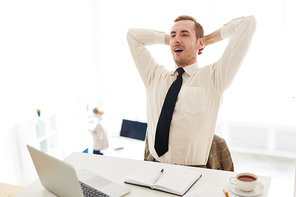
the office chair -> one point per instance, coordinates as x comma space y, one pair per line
219, 156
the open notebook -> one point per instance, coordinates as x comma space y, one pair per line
167, 178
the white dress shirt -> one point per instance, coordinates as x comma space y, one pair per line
194, 119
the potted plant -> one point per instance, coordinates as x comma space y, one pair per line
38, 112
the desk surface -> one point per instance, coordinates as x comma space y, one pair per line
116, 169
9, 190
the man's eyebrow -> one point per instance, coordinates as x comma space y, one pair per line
183, 31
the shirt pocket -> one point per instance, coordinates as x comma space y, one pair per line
193, 99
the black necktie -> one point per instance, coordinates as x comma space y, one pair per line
161, 143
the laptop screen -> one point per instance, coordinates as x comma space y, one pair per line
133, 129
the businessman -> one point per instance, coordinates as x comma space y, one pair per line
183, 104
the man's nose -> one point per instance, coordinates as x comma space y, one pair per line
177, 39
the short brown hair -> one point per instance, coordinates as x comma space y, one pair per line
198, 28
97, 111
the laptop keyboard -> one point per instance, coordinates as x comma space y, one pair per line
91, 192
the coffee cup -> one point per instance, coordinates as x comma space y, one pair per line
245, 181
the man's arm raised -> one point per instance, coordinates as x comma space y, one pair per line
211, 39
240, 32
167, 39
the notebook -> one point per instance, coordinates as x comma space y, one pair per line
61, 178
167, 178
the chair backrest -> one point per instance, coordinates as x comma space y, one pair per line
219, 156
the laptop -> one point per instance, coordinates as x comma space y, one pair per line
133, 129
61, 178
131, 132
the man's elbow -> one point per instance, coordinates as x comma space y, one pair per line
251, 23
130, 32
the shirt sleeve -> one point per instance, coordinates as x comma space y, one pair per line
138, 39
240, 31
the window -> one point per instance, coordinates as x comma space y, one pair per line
263, 90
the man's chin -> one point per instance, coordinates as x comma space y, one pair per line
180, 62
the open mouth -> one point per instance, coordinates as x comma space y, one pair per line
178, 50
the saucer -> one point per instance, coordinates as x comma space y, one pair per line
258, 189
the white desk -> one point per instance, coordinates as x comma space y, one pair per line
131, 148
115, 169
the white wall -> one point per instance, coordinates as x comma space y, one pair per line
48, 61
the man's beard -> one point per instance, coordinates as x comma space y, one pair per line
181, 62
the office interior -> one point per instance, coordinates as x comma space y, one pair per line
67, 57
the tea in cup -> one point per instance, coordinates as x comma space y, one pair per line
245, 181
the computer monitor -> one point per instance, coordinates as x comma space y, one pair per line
133, 129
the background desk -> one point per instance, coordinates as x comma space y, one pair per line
116, 169
129, 148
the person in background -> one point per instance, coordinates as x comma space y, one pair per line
100, 139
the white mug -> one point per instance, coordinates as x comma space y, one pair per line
245, 181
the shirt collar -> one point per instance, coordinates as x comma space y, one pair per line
190, 69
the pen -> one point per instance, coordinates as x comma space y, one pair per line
160, 173
225, 193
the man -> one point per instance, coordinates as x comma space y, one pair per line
195, 112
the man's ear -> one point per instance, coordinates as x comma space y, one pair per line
201, 43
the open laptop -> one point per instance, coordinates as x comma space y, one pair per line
61, 179
133, 129
131, 133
